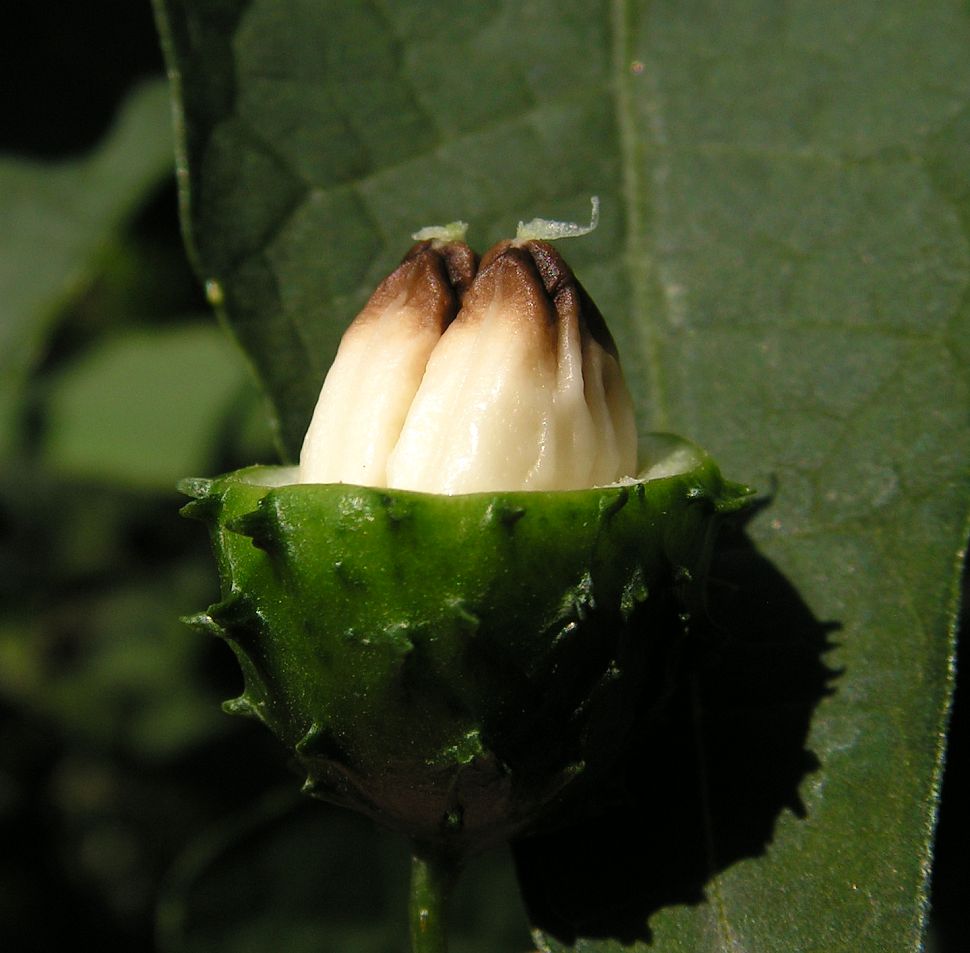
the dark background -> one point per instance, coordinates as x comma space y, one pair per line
92, 830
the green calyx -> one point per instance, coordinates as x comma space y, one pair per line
451, 665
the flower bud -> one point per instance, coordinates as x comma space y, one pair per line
520, 389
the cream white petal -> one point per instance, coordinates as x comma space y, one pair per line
379, 366
364, 400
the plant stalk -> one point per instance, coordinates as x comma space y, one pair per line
432, 877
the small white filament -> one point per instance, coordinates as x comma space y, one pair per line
452, 232
546, 229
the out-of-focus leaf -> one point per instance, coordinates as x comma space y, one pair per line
784, 261
305, 876
145, 408
57, 219
116, 670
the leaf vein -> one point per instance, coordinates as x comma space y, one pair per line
638, 257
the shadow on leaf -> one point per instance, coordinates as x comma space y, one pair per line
701, 784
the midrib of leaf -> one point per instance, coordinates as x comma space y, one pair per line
640, 260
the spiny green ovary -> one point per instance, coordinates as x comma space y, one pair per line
439, 657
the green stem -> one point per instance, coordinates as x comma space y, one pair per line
432, 876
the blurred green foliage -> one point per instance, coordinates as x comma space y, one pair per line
114, 380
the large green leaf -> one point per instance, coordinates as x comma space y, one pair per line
784, 262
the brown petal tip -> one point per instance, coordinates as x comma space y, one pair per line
507, 277
558, 282
430, 281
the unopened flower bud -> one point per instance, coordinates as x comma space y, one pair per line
520, 389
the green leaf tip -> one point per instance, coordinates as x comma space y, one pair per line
547, 229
